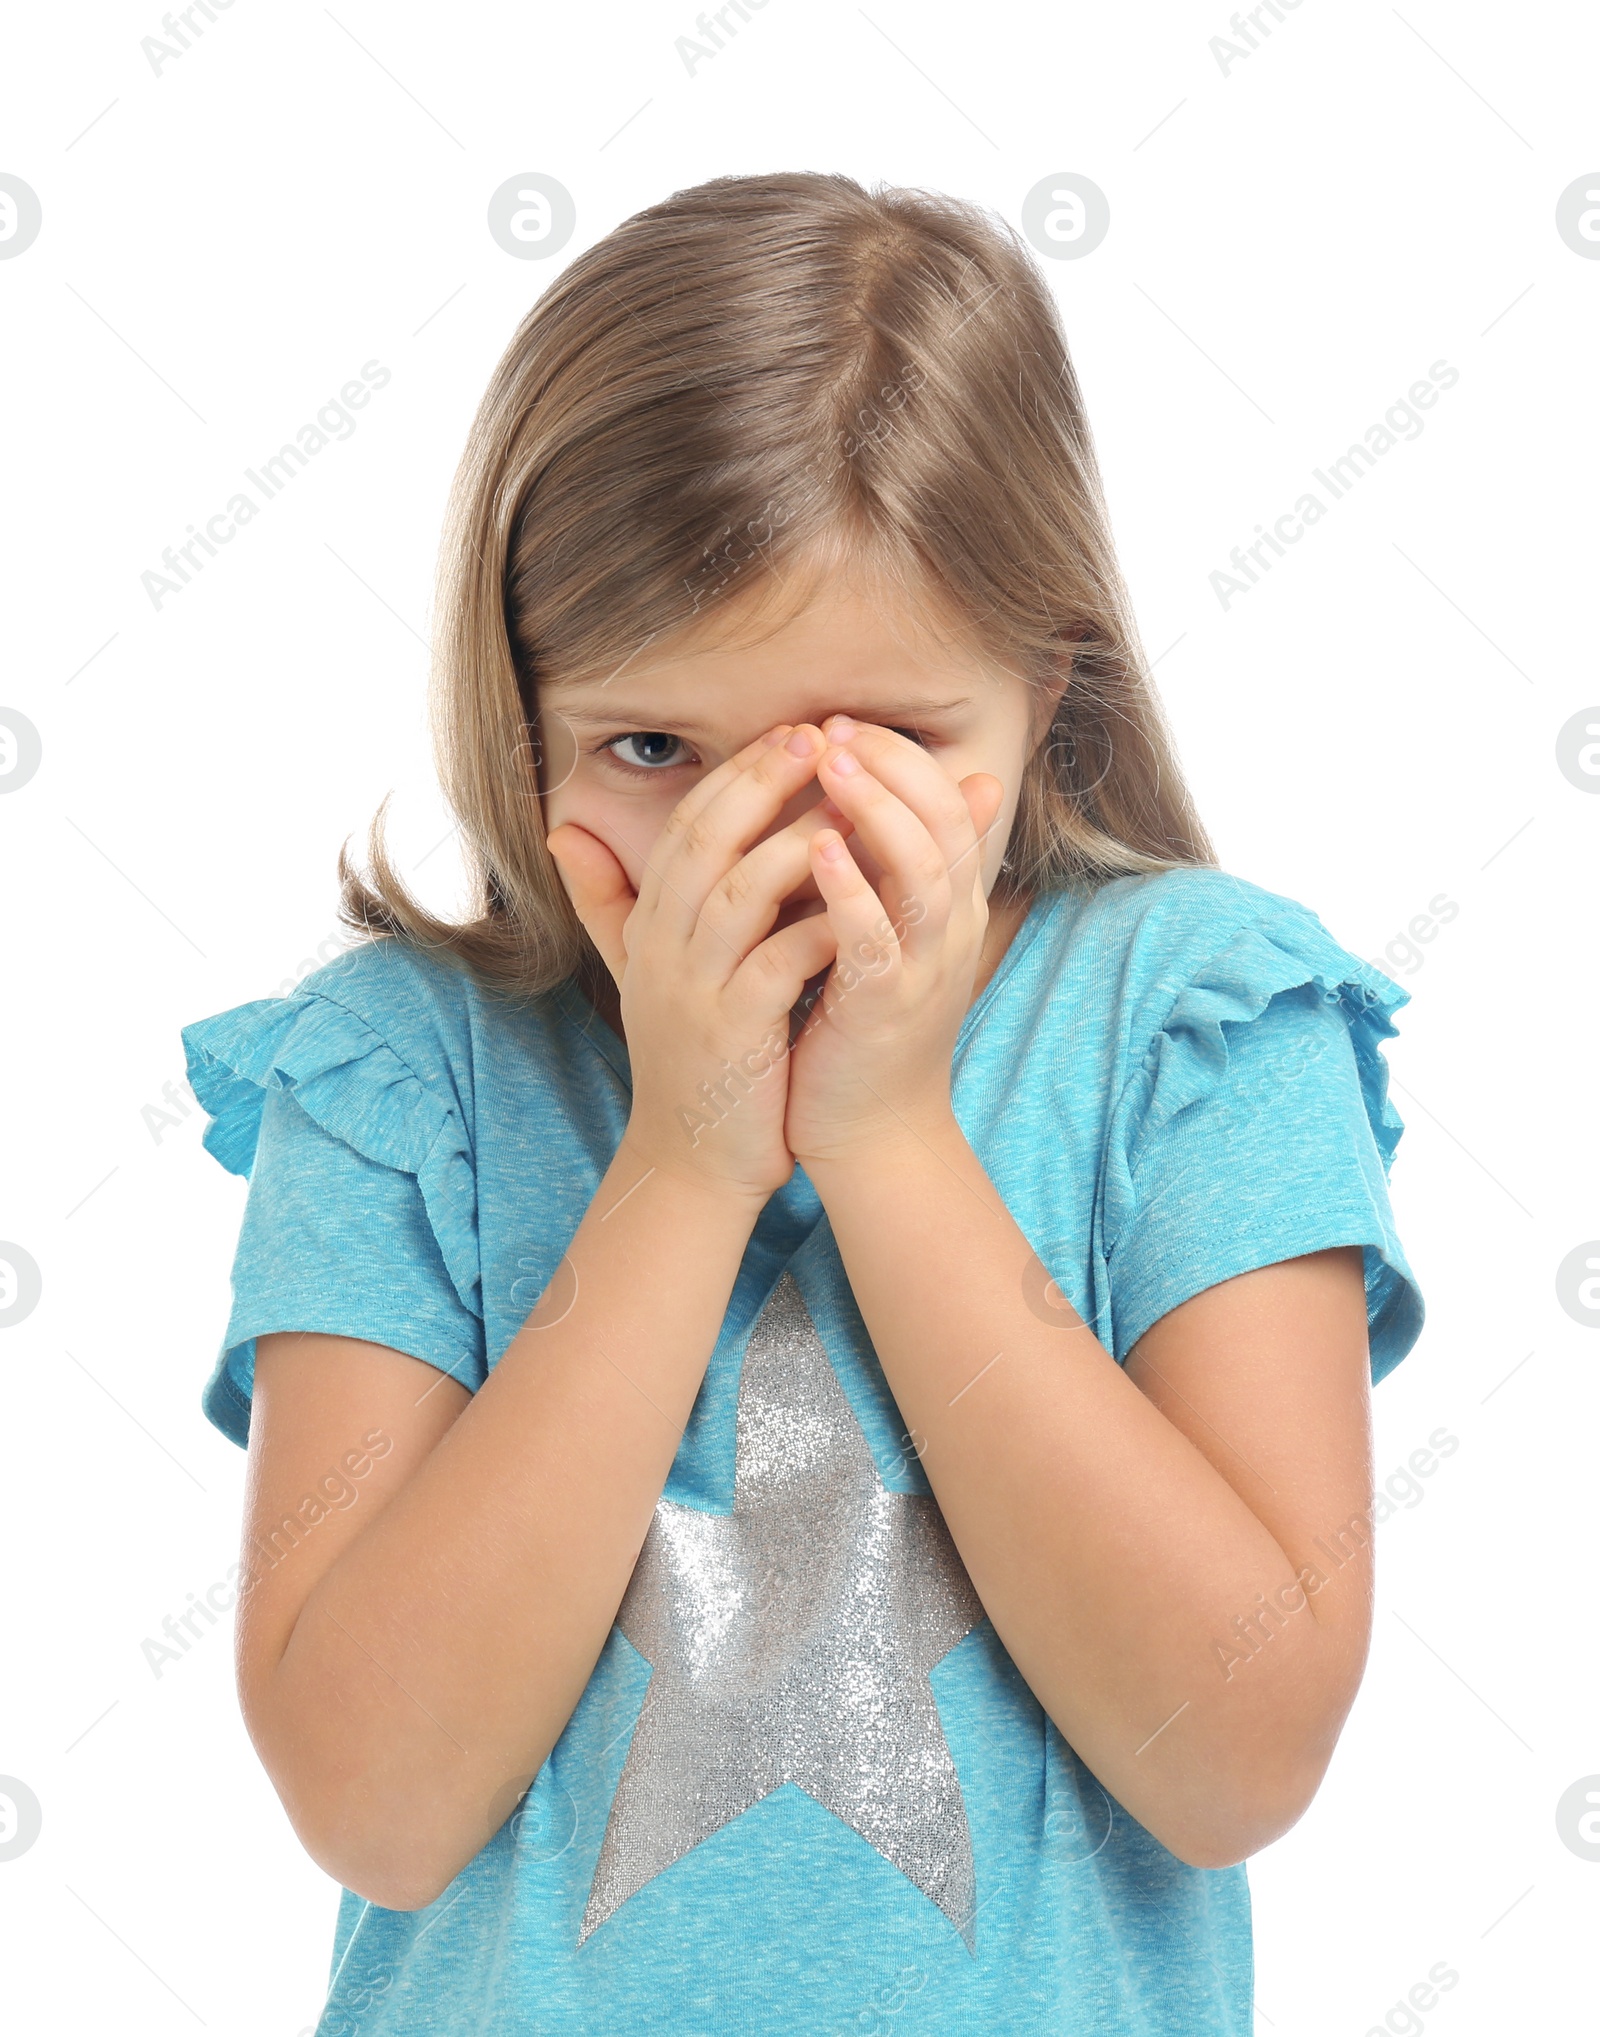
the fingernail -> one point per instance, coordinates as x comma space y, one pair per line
844, 763
775, 735
841, 728
830, 847
801, 743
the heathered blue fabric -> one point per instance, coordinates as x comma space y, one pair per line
1171, 1080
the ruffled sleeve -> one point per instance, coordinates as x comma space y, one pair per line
361, 1219
1257, 1126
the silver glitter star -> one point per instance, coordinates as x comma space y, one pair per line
791, 1642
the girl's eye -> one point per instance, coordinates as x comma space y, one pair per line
646, 750
911, 735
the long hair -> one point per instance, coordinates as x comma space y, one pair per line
754, 375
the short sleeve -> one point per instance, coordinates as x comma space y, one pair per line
1258, 1128
361, 1215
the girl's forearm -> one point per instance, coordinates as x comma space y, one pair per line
1110, 1554
433, 1667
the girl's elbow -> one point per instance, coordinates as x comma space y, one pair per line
1261, 1784
376, 1846
397, 1843
389, 1891
382, 1869
1229, 1831
1219, 1846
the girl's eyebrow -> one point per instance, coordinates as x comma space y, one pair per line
625, 714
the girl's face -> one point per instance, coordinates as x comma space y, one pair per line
620, 752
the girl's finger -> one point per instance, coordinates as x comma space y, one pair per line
985, 795
702, 842
870, 941
740, 910
917, 781
599, 889
772, 976
695, 799
916, 878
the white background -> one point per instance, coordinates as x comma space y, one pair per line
1292, 244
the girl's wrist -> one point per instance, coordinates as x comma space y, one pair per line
886, 1149
642, 1165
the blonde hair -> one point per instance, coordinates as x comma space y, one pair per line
755, 373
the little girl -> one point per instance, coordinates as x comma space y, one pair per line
806, 1367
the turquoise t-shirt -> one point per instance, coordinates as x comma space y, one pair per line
806, 1788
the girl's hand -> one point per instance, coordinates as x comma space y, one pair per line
705, 997
873, 1062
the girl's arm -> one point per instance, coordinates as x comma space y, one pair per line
1133, 1535
407, 1663
1136, 1535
